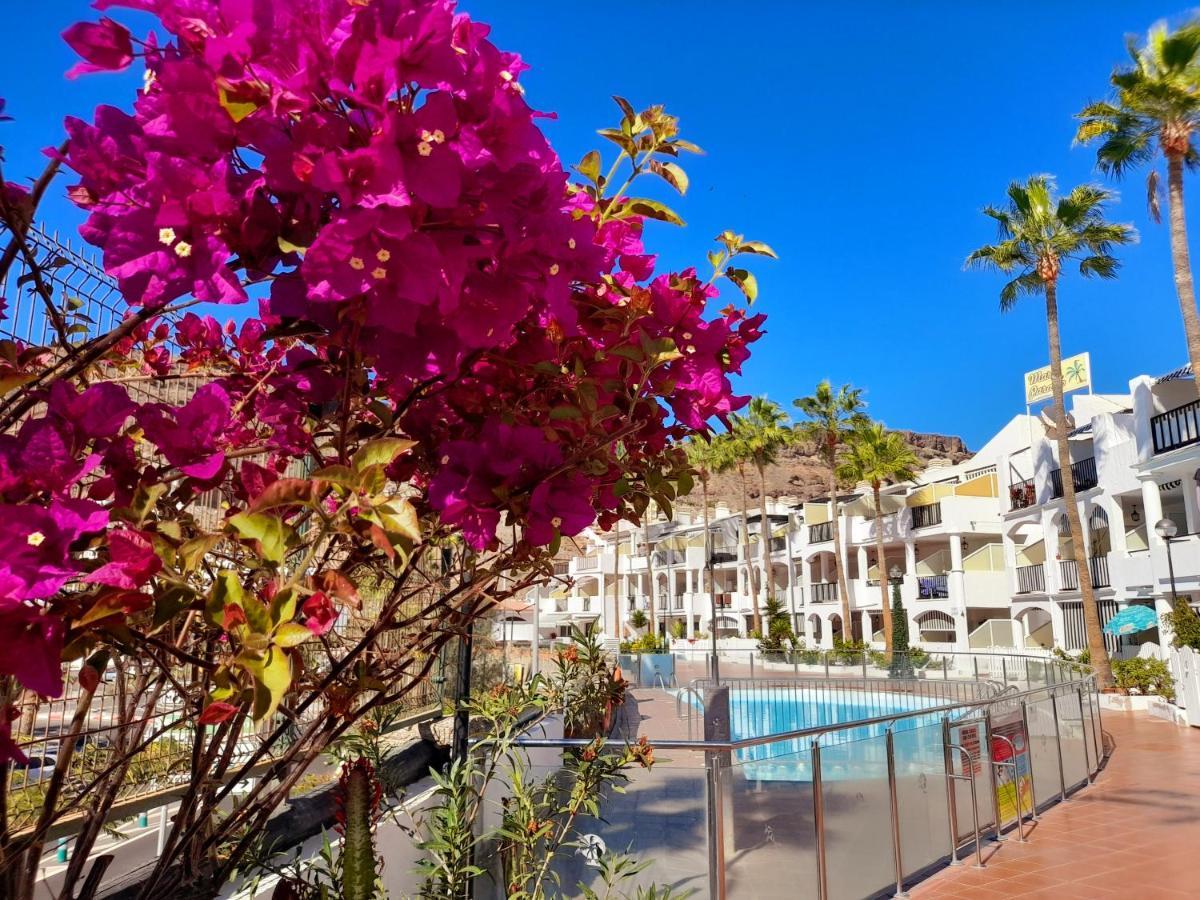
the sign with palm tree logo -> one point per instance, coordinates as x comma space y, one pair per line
1076, 374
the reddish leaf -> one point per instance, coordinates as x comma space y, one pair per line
339, 587
216, 712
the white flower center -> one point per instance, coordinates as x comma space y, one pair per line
183, 249
554, 269
35, 539
357, 263
166, 236
556, 521
383, 255
424, 148
379, 273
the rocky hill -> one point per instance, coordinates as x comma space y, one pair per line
800, 474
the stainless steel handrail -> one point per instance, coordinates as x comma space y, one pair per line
811, 731
1016, 782
969, 767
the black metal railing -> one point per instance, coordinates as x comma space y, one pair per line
822, 531
1083, 474
1097, 568
824, 592
1022, 494
1031, 579
927, 515
1176, 428
933, 587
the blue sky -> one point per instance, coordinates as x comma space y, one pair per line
861, 146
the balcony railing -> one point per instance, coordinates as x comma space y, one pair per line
927, 515
669, 557
824, 592
1022, 495
933, 587
1097, 567
1083, 473
1031, 579
587, 564
822, 531
1176, 428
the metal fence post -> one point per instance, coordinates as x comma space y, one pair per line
1029, 759
819, 822
1062, 776
945, 668
716, 829
1004, 669
951, 799
1097, 736
826, 655
751, 663
987, 732
864, 663
1083, 736
975, 663
897, 857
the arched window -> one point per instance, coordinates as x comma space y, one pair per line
1098, 531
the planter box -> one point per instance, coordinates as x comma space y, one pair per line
1125, 702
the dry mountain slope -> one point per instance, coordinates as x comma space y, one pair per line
800, 474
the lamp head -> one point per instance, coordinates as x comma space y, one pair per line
1166, 529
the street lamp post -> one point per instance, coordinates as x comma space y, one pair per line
1166, 529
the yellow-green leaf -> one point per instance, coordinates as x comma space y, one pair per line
380, 452
227, 589
272, 678
589, 166
272, 534
237, 109
291, 634
745, 281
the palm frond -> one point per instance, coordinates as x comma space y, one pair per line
1026, 283
1100, 266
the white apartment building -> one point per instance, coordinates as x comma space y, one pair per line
980, 549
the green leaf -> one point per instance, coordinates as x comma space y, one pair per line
619, 138
400, 517
169, 603
758, 248
227, 589
589, 166
291, 634
652, 209
564, 412
283, 606
380, 452
672, 174
626, 108
745, 281
271, 533
272, 678
195, 549
284, 492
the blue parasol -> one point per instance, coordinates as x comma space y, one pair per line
1131, 619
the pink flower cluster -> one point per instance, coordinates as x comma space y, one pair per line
374, 171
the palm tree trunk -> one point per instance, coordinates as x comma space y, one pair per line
843, 592
881, 557
712, 587
1091, 615
1182, 261
650, 567
617, 580
764, 549
756, 619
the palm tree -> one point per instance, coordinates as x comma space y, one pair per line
703, 457
762, 433
832, 416
1156, 109
878, 457
733, 453
1038, 233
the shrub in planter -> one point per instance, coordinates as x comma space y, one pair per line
638, 619
678, 629
1145, 676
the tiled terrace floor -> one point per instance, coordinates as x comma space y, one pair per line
1135, 833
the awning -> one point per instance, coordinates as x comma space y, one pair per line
1181, 372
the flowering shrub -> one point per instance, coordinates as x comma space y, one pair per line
459, 357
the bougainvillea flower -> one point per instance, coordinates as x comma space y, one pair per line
104, 45
190, 436
132, 560
560, 506
31, 641
35, 544
319, 613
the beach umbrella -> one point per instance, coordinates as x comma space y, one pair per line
1131, 619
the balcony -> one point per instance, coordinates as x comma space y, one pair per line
824, 592
927, 516
933, 587
821, 532
1022, 495
587, 564
1031, 579
1083, 473
669, 557
1178, 427
1097, 567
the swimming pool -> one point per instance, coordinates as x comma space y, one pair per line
759, 712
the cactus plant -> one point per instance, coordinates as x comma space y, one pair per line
358, 797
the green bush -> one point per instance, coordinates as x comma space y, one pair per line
646, 643
1145, 676
1184, 625
638, 619
678, 629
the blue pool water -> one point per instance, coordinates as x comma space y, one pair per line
845, 753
